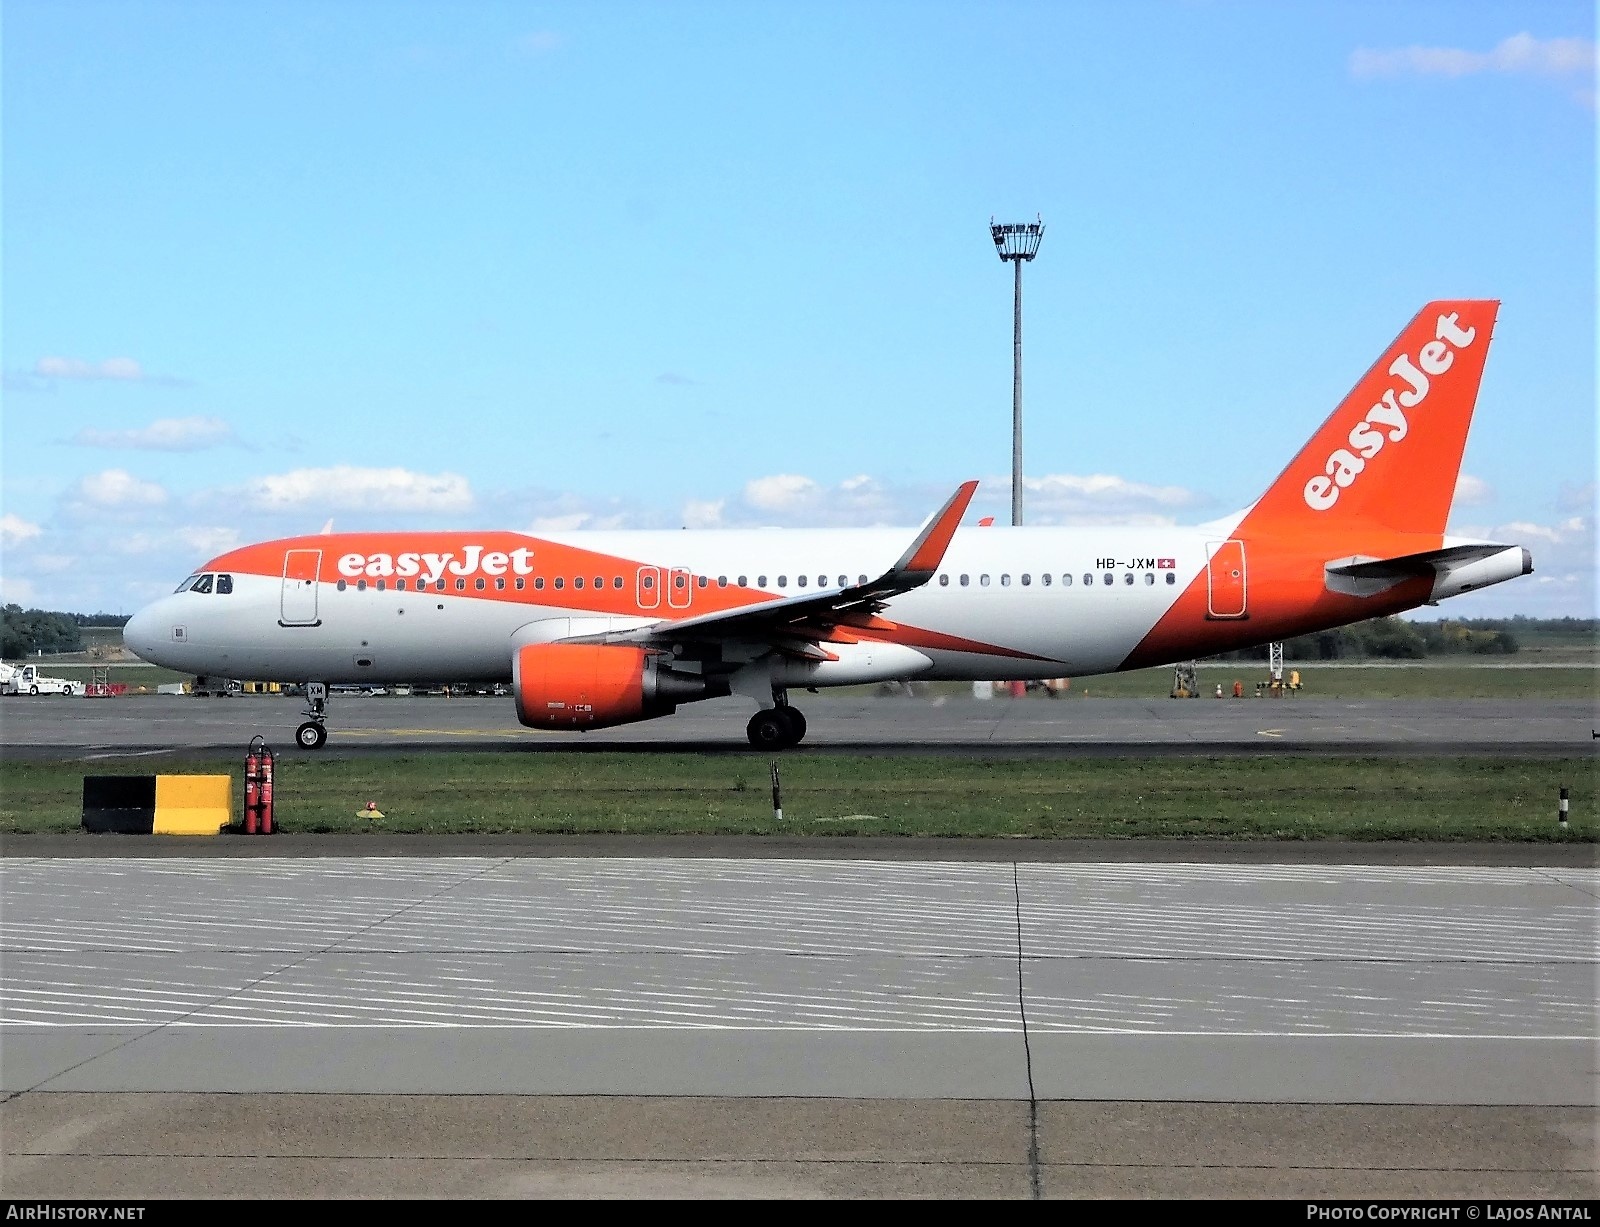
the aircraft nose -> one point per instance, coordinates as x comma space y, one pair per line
141, 634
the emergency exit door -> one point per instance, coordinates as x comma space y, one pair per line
1225, 580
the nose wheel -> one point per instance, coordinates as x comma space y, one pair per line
776, 728
311, 734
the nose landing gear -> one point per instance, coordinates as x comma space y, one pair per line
312, 734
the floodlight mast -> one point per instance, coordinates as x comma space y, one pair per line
1016, 242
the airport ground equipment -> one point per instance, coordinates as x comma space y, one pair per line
157, 804
26, 679
1183, 683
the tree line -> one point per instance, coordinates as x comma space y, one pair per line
1396, 638
27, 632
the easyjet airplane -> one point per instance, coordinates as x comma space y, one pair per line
603, 628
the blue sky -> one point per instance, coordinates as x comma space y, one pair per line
553, 265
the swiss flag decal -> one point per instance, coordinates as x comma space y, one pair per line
1166, 564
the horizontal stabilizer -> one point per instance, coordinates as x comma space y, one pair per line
1456, 567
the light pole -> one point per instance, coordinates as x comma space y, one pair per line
1017, 242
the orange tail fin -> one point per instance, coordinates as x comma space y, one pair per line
1389, 455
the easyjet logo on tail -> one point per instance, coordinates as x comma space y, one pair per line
1385, 422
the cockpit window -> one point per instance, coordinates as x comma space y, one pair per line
203, 584
224, 585
184, 587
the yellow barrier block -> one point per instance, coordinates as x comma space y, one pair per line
193, 804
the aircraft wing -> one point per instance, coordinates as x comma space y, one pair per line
789, 621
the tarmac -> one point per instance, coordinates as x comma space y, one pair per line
474, 1018
152, 725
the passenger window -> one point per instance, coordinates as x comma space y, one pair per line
342, 585
1087, 579
203, 584
1066, 581
1127, 577
461, 585
361, 585
521, 583
382, 583
822, 581
1005, 581
783, 581
500, 585
700, 581
538, 583
438, 585
1026, 579
577, 581
1171, 578
742, 582
677, 581
649, 582
616, 582
722, 581
1149, 577
844, 581
800, 580
1108, 579
965, 581
599, 581
983, 581
1045, 579
399, 585
560, 583
224, 585
761, 581
944, 581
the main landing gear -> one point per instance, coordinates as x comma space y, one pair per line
311, 734
777, 727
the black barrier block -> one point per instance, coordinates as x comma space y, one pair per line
119, 804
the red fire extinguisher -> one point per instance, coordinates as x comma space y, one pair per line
266, 791
252, 786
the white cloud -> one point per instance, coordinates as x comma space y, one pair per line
208, 541
1472, 491
348, 488
1521, 53
1095, 493
164, 435
780, 492
117, 488
53, 367
14, 530
570, 522
703, 513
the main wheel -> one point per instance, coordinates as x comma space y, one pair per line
311, 735
796, 720
33, 690
768, 730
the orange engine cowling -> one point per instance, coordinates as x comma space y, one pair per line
592, 686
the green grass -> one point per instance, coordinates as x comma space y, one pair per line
1269, 797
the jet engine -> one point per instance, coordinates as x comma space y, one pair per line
592, 686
